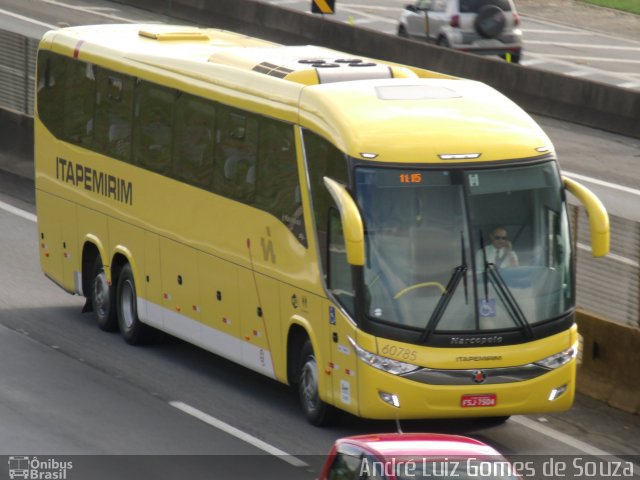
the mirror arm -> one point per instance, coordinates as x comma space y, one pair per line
597, 213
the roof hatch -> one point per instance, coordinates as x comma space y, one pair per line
185, 35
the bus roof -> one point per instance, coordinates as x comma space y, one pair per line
389, 112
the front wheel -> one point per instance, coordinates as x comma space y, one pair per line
402, 31
318, 413
132, 329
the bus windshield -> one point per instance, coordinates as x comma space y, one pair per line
465, 250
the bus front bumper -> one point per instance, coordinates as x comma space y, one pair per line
386, 396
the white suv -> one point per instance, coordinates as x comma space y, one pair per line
489, 27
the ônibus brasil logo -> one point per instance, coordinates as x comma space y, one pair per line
32, 468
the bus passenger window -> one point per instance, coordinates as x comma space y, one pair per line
113, 114
80, 103
339, 270
277, 188
193, 145
323, 159
153, 123
51, 88
235, 158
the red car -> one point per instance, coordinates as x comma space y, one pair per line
404, 456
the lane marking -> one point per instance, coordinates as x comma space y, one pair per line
591, 59
542, 58
559, 32
602, 183
629, 85
567, 439
27, 19
581, 45
17, 211
562, 437
567, 29
250, 439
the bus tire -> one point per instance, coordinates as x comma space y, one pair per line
102, 298
133, 331
316, 411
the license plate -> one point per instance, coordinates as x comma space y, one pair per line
470, 401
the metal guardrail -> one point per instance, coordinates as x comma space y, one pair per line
609, 286
17, 72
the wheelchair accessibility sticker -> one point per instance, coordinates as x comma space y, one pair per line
487, 307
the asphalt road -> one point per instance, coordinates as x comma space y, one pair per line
68, 388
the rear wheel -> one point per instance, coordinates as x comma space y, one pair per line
318, 413
132, 329
101, 295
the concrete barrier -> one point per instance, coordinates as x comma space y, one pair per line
577, 100
610, 360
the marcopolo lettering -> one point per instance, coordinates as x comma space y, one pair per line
94, 181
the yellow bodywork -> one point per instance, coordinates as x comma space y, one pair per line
232, 278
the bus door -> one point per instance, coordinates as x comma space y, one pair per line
339, 282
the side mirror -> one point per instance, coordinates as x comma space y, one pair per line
411, 8
597, 213
351, 221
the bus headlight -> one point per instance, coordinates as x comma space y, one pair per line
559, 359
385, 364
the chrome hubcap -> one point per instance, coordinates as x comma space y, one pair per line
101, 294
309, 382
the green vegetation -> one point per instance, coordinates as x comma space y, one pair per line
631, 6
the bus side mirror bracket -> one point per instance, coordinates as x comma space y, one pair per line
351, 221
597, 213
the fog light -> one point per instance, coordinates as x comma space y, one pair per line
556, 392
390, 398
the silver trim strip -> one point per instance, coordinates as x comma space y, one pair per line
466, 377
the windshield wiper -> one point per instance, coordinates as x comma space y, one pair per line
492, 274
456, 276
506, 297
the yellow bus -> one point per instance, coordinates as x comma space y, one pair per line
390, 241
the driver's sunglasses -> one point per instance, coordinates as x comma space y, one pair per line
499, 237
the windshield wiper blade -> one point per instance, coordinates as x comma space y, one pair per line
485, 263
507, 298
454, 281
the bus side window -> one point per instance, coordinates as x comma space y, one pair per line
323, 159
193, 140
51, 88
277, 185
80, 103
235, 157
113, 114
339, 277
153, 127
